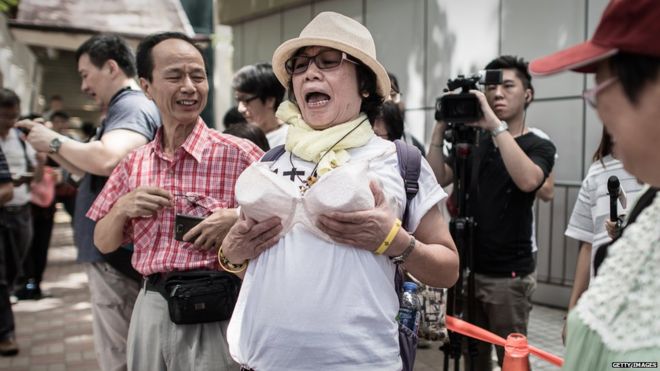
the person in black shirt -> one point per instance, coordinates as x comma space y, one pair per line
510, 164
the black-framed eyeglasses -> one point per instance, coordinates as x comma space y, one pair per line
325, 60
246, 100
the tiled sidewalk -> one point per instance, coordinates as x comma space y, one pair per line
56, 333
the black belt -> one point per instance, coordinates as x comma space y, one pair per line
243, 368
155, 282
505, 274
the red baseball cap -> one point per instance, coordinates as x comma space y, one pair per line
631, 26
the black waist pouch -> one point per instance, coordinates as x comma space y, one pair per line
200, 296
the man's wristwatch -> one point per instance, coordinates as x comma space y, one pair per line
55, 145
500, 129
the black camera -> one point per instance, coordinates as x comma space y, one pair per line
464, 106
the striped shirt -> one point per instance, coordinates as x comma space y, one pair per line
200, 175
592, 207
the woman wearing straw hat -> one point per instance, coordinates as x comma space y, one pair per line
323, 296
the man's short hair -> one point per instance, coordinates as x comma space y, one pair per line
103, 47
634, 71
259, 79
145, 60
9, 99
61, 114
519, 65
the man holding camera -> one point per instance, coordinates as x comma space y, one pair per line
508, 166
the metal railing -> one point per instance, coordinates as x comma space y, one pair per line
557, 254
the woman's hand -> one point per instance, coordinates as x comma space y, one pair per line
365, 229
248, 238
613, 228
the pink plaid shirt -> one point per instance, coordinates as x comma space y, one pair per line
201, 177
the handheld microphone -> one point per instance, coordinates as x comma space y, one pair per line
613, 187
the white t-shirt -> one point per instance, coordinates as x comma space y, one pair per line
592, 207
541, 134
277, 136
310, 304
15, 154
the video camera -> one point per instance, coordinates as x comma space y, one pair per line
464, 106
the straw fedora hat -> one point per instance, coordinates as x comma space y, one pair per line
336, 31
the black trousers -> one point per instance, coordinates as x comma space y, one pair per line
15, 237
34, 263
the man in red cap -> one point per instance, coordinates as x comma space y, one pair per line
615, 324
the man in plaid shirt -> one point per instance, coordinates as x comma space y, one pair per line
187, 169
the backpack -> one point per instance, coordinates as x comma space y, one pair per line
410, 165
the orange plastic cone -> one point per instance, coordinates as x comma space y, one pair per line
516, 353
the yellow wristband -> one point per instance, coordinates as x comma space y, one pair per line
229, 267
390, 237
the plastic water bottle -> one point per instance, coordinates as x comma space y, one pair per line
410, 307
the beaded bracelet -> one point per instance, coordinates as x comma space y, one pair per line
390, 237
228, 266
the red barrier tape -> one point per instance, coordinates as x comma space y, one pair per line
468, 329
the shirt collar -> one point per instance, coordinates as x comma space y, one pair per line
194, 143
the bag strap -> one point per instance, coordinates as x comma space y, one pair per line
28, 164
410, 166
273, 154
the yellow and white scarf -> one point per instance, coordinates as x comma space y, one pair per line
312, 145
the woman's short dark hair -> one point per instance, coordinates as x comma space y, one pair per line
604, 148
394, 81
391, 115
144, 57
250, 132
367, 85
634, 71
103, 47
259, 79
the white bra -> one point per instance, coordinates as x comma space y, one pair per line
262, 194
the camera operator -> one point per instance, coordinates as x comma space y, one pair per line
508, 166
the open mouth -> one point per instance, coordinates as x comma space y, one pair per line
317, 99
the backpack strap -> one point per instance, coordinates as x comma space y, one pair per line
410, 166
29, 167
273, 154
